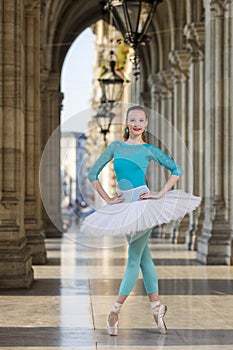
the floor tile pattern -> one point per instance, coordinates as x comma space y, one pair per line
67, 307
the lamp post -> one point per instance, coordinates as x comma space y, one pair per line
133, 19
104, 118
111, 82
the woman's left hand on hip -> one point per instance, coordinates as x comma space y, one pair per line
151, 195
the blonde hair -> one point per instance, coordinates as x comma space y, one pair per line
134, 108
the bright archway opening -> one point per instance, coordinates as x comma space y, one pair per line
77, 77
76, 85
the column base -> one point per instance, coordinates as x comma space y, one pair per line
195, 229
198, 226
215, 247
189, 237
51, 231
156, 232
35, 241
16, 267
231, 260
171, 230
181, 230
195, 236
166, 231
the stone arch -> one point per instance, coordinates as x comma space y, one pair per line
164, 36
63, 26
62, 22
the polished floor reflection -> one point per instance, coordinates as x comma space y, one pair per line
68, 305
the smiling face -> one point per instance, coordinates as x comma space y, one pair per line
136, 122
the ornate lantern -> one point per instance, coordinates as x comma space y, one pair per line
133, 19
104, 117
111, 82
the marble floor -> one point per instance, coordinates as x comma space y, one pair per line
67, 307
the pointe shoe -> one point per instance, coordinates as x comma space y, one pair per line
112, 330
159, 314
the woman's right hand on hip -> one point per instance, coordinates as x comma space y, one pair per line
115, 200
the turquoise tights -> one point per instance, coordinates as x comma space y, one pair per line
139, 256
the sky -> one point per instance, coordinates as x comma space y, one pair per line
76, 81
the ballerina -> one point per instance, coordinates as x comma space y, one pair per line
136, 210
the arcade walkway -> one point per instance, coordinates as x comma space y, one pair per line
68, 305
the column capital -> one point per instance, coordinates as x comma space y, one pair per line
50, 86
228, 6
54, 81
180, 63
165, 77
218, 7
161, 84
151, 81
31, 5
227, 2
154, 83
195, 38
166, 82
196, 30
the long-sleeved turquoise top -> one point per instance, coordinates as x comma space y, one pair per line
131, 162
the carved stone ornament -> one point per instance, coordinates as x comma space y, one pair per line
218, 7
180, 63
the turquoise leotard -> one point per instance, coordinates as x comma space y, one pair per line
131, 163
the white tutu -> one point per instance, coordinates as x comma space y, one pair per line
134, 216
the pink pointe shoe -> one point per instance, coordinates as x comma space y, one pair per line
159, 311
113, 329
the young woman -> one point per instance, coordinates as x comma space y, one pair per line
136, 210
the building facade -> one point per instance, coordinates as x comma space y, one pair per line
73, 169
186, 75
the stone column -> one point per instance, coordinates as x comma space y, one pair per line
32, 217
228, 78
154, 174
51, 99
166, 84
166, 134
214, 244
15, 255
153, 125
199, 154
194, 33
180, 68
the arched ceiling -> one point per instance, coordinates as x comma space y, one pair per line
64, 20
